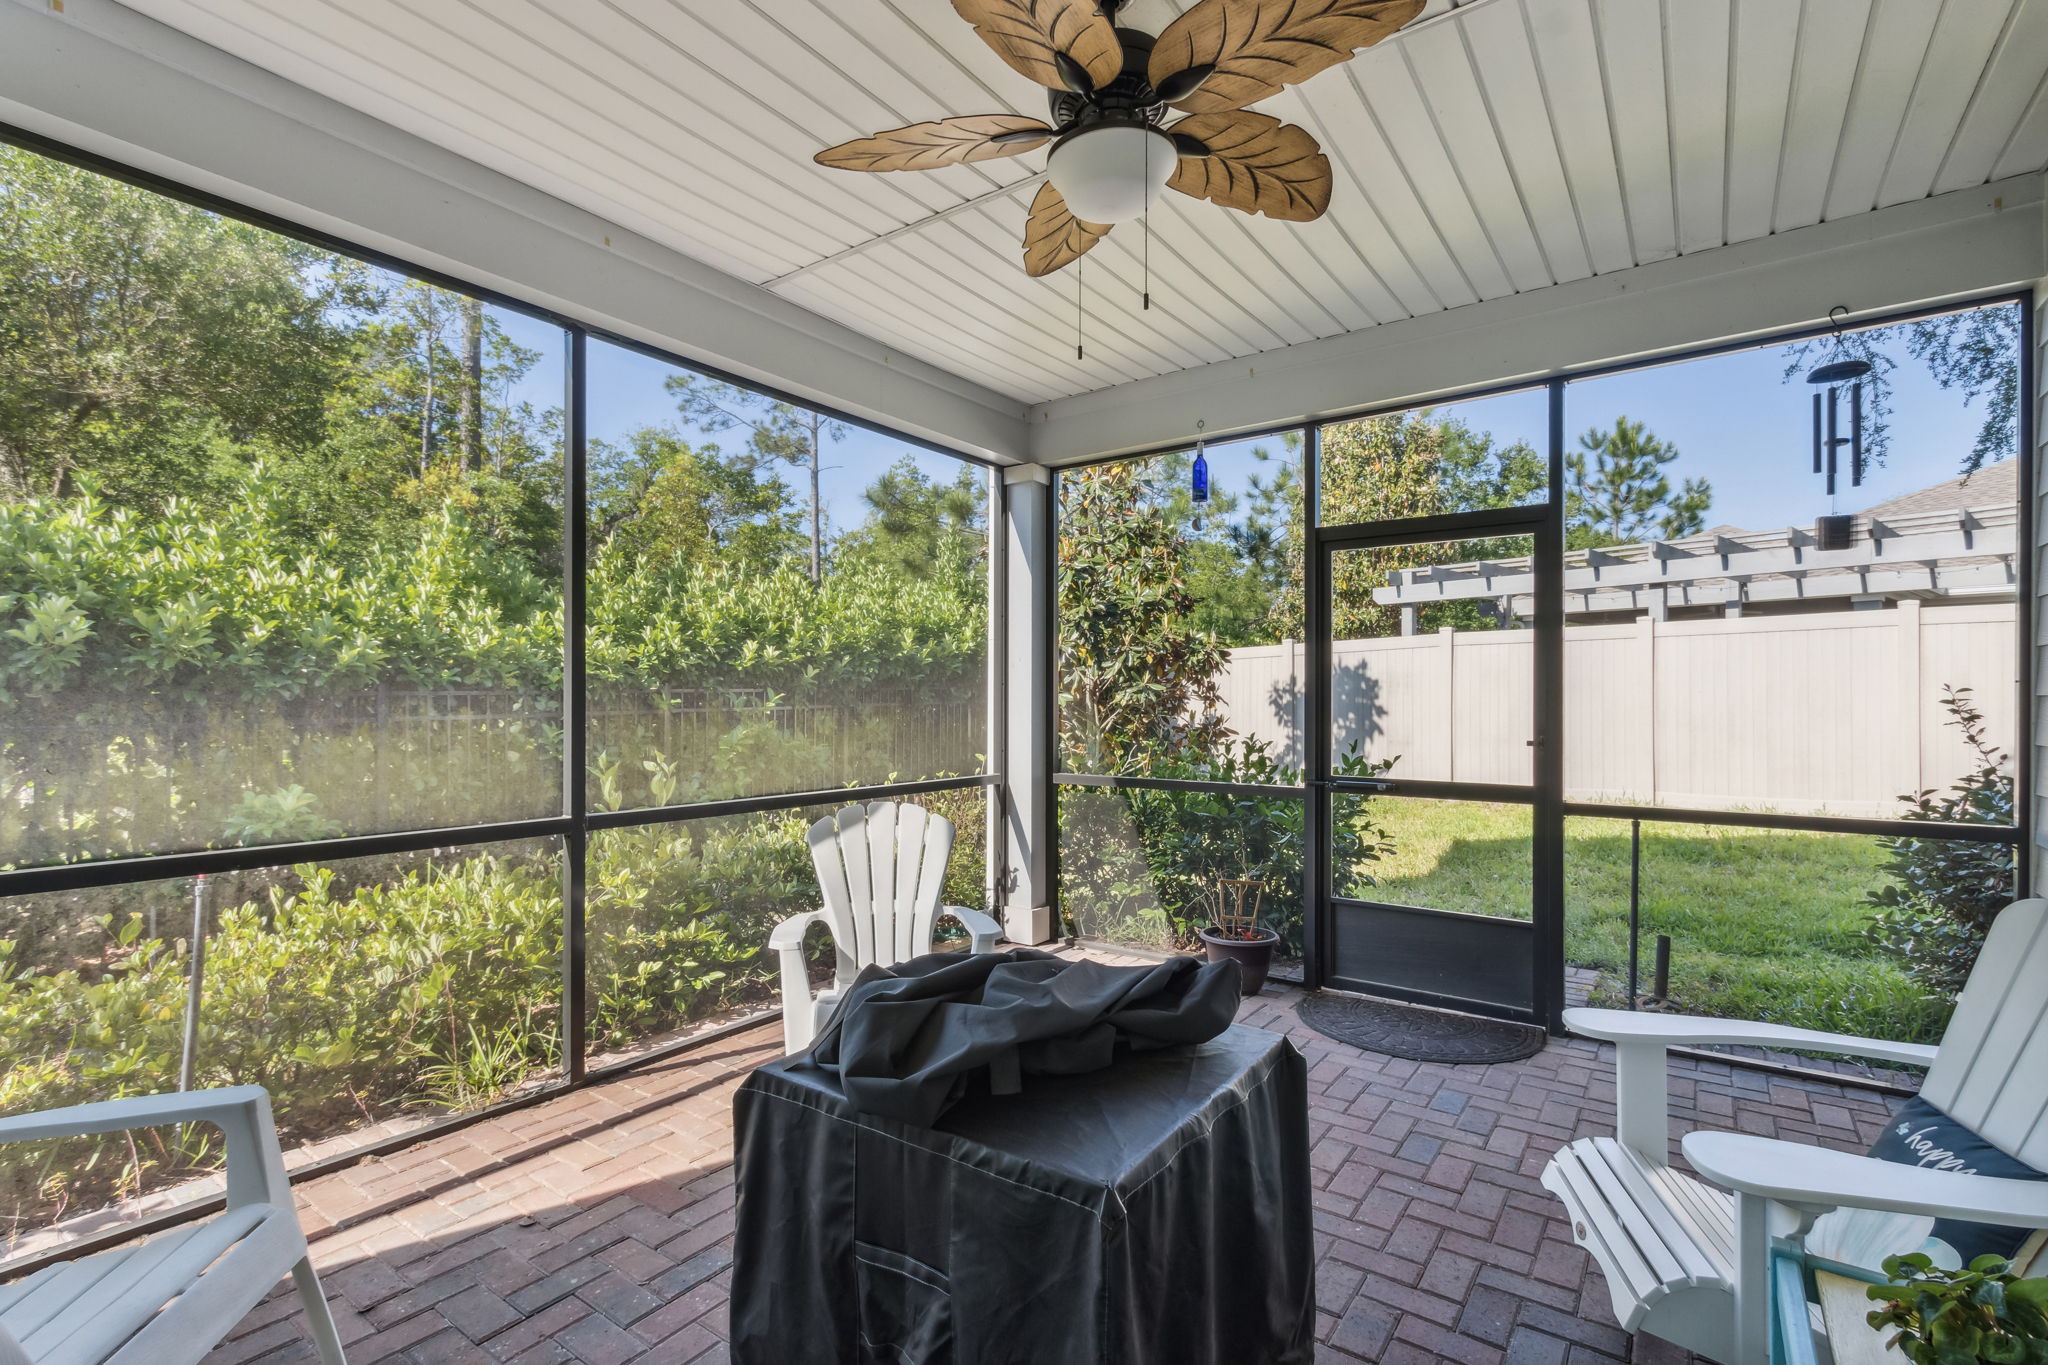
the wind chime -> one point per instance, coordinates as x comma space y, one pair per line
1836, 532
1198, 476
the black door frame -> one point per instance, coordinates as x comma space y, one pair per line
1544, 794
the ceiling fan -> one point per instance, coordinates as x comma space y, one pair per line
1113, 153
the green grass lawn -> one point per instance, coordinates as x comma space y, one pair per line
1764, 924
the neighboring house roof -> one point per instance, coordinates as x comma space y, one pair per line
1994, 485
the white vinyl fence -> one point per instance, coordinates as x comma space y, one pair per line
1838, 712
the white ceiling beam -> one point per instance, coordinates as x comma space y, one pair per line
105, 79
986, 197
1948, 247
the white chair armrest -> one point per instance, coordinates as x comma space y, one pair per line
982, 929
1632, 1026
799, 1014
790, 933
242, 1112
140, 1111
1642, 1096
1793, 1173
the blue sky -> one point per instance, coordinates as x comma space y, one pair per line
627, 392
1734, 418
1736, 422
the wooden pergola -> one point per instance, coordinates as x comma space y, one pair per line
1966, 552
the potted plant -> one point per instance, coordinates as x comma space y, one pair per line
1237, 936
1960, 1317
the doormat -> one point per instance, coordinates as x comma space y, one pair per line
1419, 1034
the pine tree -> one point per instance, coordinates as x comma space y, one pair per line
776, 431
1616, 491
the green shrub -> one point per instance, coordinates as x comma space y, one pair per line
340, 997
1934, 912
1141, 865
1982, 1312
377, 988
678, 918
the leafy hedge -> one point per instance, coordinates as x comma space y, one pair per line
234, 605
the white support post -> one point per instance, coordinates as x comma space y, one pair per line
1906, 623
1642, 1099
1752, 1280
1646, 683
2033, 707
1030, 828
1447, 655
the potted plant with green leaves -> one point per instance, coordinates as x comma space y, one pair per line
1237, 936
1982, 1312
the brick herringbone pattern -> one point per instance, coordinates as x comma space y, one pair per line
596, 1228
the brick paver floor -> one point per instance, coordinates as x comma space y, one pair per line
597, 1227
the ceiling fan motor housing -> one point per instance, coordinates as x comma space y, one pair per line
1111, 162
1130, 94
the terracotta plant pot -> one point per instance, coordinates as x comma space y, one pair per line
1252, 956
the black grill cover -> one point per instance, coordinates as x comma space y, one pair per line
909, 1040
1157, 1211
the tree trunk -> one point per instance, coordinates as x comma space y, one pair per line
427, 421
817, 518
472, 384
430, 332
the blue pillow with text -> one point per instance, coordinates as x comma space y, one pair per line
1921, 1135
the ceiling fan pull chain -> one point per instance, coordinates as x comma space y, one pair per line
1080, 353
1145, 224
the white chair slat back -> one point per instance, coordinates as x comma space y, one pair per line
835, 885
882, 869
1992, 1071
883, 817
905, 855
936, 849
854, 845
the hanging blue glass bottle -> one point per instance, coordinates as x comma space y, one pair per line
1200, 485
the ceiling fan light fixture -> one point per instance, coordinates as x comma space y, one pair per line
1113, 172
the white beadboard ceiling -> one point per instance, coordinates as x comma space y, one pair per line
1493, 147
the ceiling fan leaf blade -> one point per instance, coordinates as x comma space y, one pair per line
1053, 236
1256, 47
1255, 164
948, 142
1031, 35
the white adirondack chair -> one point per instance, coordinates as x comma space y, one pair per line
881, 871
1691, 1264
173, 1298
